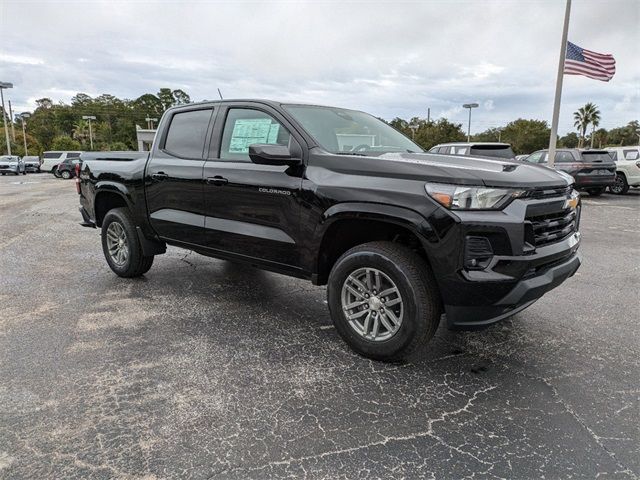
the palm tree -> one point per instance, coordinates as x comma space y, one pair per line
583, 117
80, 130
594, 118
581, 122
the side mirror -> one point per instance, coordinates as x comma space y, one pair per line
268, 154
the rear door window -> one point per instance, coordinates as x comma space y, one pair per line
73, 155
187, 133
52, 155
564, 157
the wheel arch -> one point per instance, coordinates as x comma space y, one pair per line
108, 197
347, 225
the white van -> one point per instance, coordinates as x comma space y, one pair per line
627, 168
50, 160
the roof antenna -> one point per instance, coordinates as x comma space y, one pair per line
220, 93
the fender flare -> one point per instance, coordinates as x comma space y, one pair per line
401, 216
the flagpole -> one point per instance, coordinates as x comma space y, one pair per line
556, 104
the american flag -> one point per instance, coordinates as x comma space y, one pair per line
599, 66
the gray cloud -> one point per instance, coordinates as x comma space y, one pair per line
389, 58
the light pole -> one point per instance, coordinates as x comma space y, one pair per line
4, 85
469, 106
24, 116
150, 122
89, 117
413, 131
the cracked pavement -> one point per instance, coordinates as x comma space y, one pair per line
208, 369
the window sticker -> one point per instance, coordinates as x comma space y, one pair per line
252, 130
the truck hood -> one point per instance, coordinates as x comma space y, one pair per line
463, 170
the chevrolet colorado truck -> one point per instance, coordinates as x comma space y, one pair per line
338, 197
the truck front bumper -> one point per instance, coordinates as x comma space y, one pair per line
490, 265
522, 293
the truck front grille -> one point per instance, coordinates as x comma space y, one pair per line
550, 192
552, 227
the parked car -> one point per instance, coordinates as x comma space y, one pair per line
31, 163
67, 168
592, 170
482, 149
627, 161
399, 236
51, 160
12, 164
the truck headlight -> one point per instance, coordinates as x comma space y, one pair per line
462, 197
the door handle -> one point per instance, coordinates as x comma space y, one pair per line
217, 180
159, 176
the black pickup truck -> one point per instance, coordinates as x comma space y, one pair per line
339, 197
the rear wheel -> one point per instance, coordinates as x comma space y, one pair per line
55, 172
596, 192
66, 174
383, 300
121, 245
620, 187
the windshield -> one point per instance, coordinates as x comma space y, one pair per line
500, 151
350, 132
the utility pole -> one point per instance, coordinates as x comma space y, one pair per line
24, 116
428, 114
469, 106
13, 130
89, 117
150, 122
556, 103
4, 85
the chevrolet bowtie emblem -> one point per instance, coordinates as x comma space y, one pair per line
571, 202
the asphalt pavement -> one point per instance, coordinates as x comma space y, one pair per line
208, 369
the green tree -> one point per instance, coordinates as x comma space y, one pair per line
583, 117
432, 133
570, 140
526, 136
65, 142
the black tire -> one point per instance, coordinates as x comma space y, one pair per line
66, 174
421, 299
24, 173
54, 170
136, 263
620, 187
596, 192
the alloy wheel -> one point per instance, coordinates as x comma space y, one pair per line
618, 185
372, 304
117, 244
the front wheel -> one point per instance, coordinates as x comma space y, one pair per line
121, 245
66, 174
620, 187
384, 300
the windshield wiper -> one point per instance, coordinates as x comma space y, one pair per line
352, 153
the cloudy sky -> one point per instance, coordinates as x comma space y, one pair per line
393, 58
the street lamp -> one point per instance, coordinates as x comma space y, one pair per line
150, 122
24, 116
469, 106
4, 85
89, 117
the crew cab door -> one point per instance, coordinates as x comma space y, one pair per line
252, 211
173, 178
